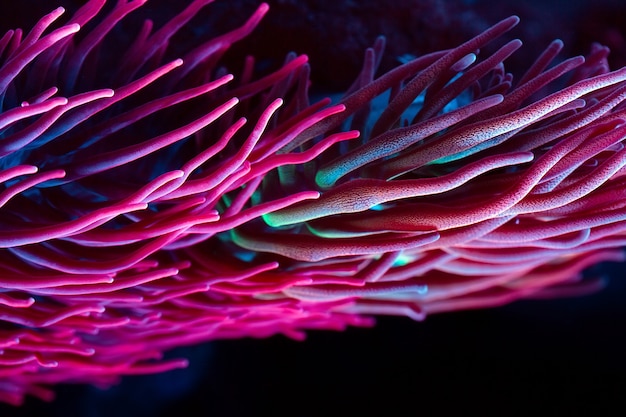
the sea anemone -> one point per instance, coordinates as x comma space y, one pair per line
150, 203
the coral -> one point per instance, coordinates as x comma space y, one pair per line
150, 203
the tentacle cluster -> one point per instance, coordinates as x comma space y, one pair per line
147, 204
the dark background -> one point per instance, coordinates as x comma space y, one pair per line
561, 357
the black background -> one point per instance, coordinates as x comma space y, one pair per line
560, 357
